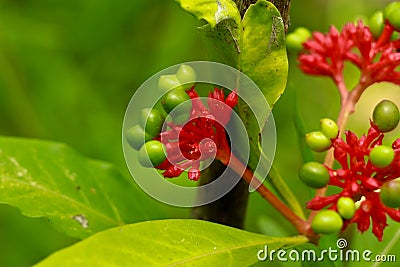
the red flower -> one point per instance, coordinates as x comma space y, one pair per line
361, 181
201, 138
325, 54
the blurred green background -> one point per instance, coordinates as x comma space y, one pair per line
69, 68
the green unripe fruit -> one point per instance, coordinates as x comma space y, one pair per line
346, 207
168, 82
314, 174
381, 156
293, 41
390, 194
327, 222
296, 39
186, 74
376, 24
174, 98
394, 18
152, 121
152, 154
386, 115
329, 128
136, 136
390, 12
317, 141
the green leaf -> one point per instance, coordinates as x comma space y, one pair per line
263, 56
212, 11
79, 196
169, 243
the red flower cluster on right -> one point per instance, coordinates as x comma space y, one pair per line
377, 59
361, 180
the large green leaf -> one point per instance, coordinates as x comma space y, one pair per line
78, 195
169, 243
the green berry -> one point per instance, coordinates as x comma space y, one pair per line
329, 128
386, 115
317, 141
327, 222
136, 136
381, 156
314, 174
390, 194
294, 42
168, 82
174, 98
152, 154
392, 14
152, 121
394, 18
376, 24
296, 39
346, 207
186, 74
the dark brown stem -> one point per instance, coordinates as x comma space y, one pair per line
301, 226
231, 208
283, 7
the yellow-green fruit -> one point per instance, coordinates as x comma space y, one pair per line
136, 136
168, 82
329, 128
152, 121
174, 98
381, 156
327, 222
376, 24
346, 207
152, 154
317, 141
314, 174
186, 74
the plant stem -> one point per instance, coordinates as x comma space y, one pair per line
301, 225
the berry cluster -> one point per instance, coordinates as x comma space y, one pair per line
195, 134
369, 175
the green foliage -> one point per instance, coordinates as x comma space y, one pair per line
79, 196
167, 243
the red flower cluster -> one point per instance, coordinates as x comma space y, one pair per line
202, 137
377, 59
361, 181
